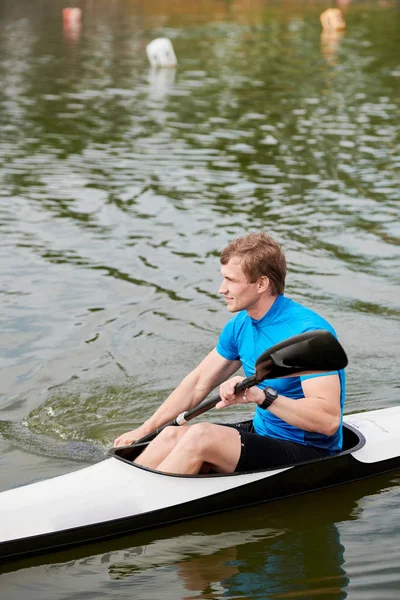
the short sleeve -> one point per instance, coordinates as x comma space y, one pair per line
304, 377
227, 344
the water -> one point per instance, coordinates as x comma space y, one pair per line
119, 187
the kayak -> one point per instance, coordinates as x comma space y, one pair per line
116, 497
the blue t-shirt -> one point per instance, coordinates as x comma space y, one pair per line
244, 338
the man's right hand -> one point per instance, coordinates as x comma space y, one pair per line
128, 438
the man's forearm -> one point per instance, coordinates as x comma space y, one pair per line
193, 388
185, 396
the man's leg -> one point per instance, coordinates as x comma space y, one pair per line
216, 445
161, 446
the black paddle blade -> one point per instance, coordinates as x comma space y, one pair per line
313, 351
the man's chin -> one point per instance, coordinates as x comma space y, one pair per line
231, 308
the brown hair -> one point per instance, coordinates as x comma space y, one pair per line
259, 255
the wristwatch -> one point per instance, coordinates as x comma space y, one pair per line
270, 396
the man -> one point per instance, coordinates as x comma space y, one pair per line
296, 418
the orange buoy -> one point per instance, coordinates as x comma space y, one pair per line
332, 20
72, 18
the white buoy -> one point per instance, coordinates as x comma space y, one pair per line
160, 53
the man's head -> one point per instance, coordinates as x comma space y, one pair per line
259, 255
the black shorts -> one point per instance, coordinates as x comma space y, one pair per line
262, 452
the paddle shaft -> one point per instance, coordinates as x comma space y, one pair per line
197, 410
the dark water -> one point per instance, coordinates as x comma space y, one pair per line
119, 187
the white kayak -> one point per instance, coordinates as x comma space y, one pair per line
116, 497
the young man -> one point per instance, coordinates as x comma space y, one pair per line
296, 418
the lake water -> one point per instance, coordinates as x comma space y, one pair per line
120, 185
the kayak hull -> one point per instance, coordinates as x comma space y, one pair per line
116, 497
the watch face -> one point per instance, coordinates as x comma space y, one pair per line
271, 392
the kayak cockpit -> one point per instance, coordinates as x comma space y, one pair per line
128, 453
352, 440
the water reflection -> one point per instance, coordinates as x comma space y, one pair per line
290, 560
306, 566
330, 42
160, 83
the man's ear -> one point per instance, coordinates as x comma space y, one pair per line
263, 284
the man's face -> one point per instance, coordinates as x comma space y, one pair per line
239, 294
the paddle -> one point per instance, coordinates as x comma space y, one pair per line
315, 351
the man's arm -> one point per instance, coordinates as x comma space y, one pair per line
318, 411
210, 373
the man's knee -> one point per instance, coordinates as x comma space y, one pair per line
170, 434
199, 437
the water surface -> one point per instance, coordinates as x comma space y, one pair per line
120, 185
